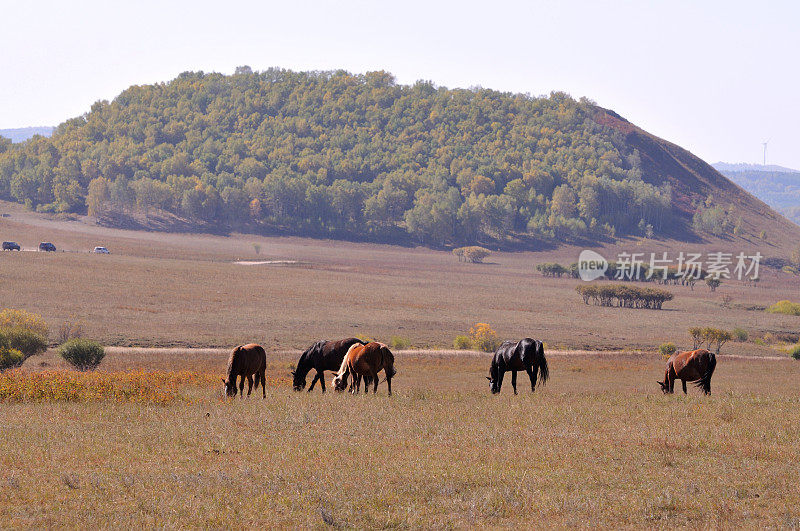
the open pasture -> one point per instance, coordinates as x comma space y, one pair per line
184, 290
598, 445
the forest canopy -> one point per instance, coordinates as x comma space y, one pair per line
332, 153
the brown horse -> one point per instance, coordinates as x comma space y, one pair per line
696, 366
365, 361
245, 361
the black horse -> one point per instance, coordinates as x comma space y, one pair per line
322, 356
527, 355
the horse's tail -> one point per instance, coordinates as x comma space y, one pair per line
704, 382
544, 371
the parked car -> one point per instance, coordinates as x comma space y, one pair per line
101, 250
10, 246
47, 246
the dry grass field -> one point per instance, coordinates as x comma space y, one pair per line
149, 441
179, 290
599, 445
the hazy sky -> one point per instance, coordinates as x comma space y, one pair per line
718, 78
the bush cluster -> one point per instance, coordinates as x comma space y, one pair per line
82, 354
10, 357
462, 343
785, 307
667, 349
624, 296
474, 254
399, 343
551, 269
712, 337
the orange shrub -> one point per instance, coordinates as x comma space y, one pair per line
483, 337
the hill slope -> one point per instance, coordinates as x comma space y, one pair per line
335, 154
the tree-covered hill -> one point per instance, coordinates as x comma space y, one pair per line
331, 153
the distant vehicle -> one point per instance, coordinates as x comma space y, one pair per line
47, 246
10, 246
101, 250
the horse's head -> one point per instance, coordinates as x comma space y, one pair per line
664, 387
298, 382
339, 382
493, 385
230, 387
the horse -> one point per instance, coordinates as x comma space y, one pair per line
322, 356
245, 361
526, 354
365, 361
696, 366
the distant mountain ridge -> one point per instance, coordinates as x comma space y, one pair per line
21, 134
780, 189
744, 166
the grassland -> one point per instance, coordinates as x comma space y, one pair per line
597, 446
184, 290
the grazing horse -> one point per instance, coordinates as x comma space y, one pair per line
696, 366
365, 361
245, 361
322, 356
527, 355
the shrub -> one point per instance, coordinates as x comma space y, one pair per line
400, 343
667, 349
82, 354
624, 296
483, 337
10, 357
713, 283
715, 336
696, 334
785, 307
462, 343
795, 352
26, 341
552, 269
10, 318
740, 334
472, 254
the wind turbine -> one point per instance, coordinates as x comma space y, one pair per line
765, 151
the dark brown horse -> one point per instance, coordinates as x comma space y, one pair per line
365, 361
245, 361
696, 366
321, 356
526, 354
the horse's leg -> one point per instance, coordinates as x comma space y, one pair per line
683, 382
375, 385
514, 381
263, 383
241, 387
500, 374
249, 384
321, 376
532, 376
389, 384
314, 382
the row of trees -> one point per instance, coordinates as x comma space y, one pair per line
624, 296
332, 151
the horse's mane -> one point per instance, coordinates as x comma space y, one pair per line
232, 362
346, 360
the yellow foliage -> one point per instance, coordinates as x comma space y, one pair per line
483, 337
10, 318
155, 387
